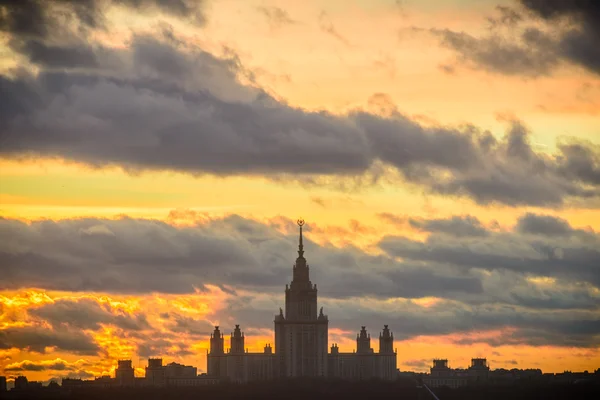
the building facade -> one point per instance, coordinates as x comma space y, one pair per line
442, 375
364, 363
301, 342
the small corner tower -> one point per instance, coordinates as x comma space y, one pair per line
386, 341
237, 340
363, 341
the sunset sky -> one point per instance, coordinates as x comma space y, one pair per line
153, 161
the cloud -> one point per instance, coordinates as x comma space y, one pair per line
46, 365
143, 256
162, 104
277, 17
580, 42
531, 55
192, 326
509, 281
88, 314
418, 364
41, 19
565, 253
465, 225
544, 225
518, 45
38, 339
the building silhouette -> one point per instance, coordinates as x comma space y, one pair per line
301, 342
155, 372
124, 373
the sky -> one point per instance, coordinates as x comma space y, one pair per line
154, 159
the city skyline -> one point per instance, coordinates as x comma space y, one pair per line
154, 161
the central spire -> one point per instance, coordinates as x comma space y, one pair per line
300, 223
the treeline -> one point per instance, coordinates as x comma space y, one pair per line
313, 390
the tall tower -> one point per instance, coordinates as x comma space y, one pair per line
237, 341
216, 359
237, 367
301, 333
387, 355
386, 341
363, 341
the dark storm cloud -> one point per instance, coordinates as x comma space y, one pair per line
87, 314
571, 33
37, 339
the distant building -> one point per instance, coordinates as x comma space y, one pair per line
155, 372
479, 371
104, 381
175, 370
124, 374
301, 341
442, 375
73, 383
21, 383
3, 386
34, 385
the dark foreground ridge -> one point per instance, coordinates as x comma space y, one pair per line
325, 389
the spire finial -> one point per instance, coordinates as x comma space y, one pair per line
300, 223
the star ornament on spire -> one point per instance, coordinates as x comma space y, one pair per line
300, 223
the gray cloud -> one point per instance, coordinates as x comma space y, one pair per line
480, 280
42, 19
37, 339
543, 225
162, 104
574, 255
195, 327
54, 365
87, 314
532, 54
580, 43
570, 34
408, 320
130, 255
465, 225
